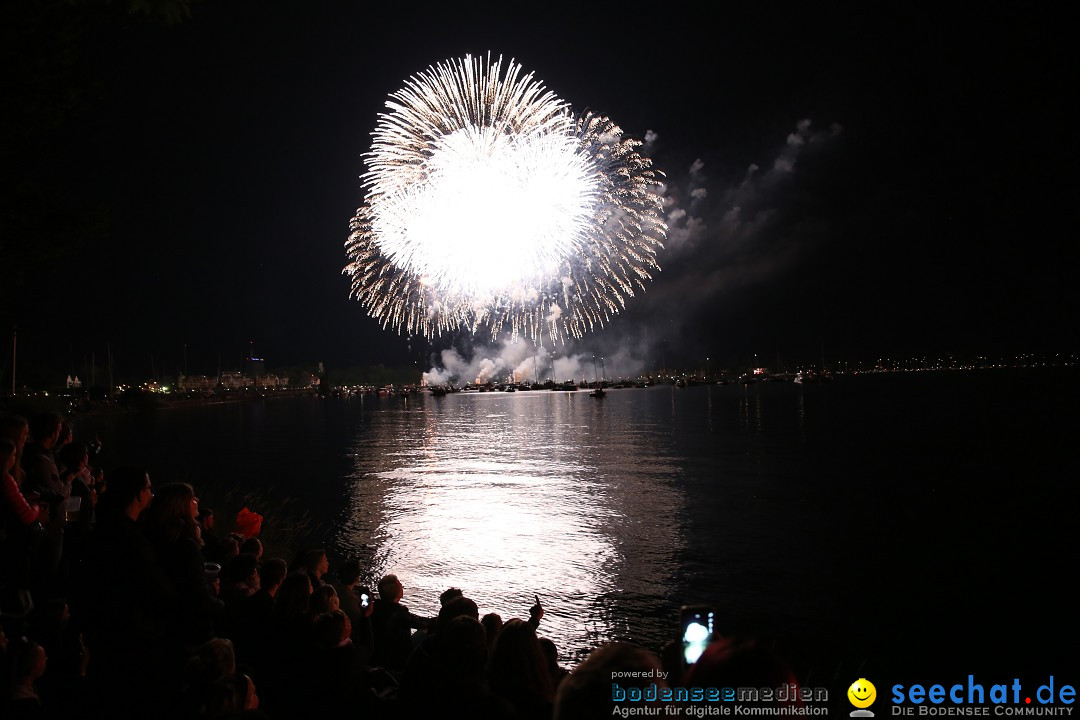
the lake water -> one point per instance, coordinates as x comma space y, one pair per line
901, 521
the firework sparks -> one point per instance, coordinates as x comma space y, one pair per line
490, 204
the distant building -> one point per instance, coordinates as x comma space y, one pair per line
235, 380
271, 381
254, 367
196, 382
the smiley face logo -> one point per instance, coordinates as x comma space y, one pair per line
862, 693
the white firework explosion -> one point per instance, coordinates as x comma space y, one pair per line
490, 204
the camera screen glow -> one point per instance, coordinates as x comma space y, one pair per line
695, 638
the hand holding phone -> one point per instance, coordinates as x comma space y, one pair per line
698, 624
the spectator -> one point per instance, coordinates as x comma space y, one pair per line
324, 599
38, 459
492, 623
252, 627
586, 693
19, 516
213, 548
551, 656
121, 599
450, 594
359, 614
43, 477
518, 671
28, 663
252, 546
17, 430
174, 533
315, 564
391, 625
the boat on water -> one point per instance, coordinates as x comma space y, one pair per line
598, 393
812, 376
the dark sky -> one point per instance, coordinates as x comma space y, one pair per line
192, 183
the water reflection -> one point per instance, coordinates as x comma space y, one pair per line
783, 509
750, 413
507, 496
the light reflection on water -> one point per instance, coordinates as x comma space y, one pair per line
857, 514
514, 495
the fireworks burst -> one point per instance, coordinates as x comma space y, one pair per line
490, 204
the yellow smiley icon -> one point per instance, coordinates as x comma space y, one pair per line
862, 693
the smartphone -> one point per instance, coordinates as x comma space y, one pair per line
698, 623
365, 597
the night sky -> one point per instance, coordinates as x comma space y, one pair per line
191, 183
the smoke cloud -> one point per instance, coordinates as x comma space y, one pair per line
523, 361
721, 238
